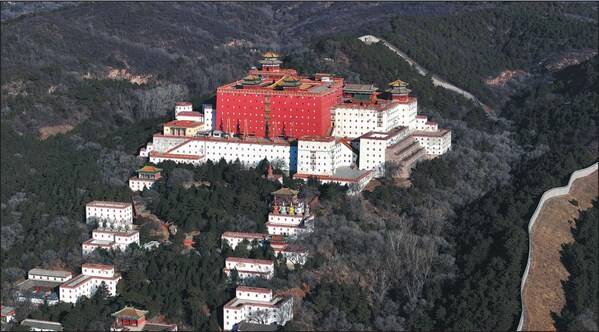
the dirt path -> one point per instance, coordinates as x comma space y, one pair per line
543, 292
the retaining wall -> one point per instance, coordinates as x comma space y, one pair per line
551, 193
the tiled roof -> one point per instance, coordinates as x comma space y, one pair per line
183, 124
244, 235
130, 312
149, 169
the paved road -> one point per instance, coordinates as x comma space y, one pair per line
437, 80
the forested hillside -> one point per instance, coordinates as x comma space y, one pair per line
446, 253
470, 47
579, 257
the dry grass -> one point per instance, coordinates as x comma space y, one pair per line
543, 292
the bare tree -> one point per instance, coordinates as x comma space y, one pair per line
259, 316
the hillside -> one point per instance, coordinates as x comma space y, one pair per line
132, 60
487, 49
105, 75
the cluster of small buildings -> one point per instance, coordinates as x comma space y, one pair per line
115, 232
115, 226
315, 127
288, 218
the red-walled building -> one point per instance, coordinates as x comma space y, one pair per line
275, 102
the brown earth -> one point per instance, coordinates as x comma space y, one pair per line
48, 131
543, 292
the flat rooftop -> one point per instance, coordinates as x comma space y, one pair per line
276, 86
237, 302
108, 204
35, 284
438, 133
379, 105
42, 325
101, 243
50, 273
359, 88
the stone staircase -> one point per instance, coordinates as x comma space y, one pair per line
405, 153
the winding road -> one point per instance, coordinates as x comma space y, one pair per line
436, 79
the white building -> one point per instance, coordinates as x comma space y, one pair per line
250, 268
197, 150
289, 215
354, 119
367, 132
190, 116
234, 238
257, 305
288, 225
86, 284
145, 179
435, 143
114, 213
209, 117
49, 275
110, 239
328, 159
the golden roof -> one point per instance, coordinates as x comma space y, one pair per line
285, 192
130, 312
251, 78
290, 79
270, 54
398, 83
149, 169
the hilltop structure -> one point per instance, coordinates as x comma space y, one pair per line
313, 126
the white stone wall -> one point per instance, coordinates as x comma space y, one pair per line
189, 118
372, 155
249, 154
554, 192
316, 157
48, 278
435, 145
209, 119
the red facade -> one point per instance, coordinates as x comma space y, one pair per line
289, 112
